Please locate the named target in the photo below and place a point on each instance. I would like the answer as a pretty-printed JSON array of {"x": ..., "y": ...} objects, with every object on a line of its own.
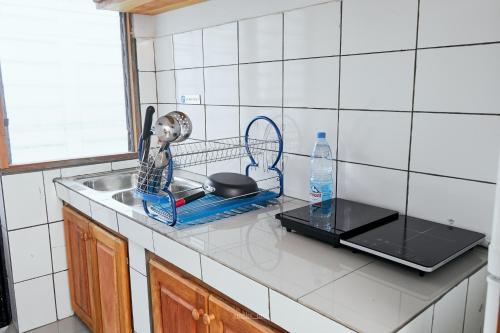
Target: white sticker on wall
[{"x": 191, "y": 99}]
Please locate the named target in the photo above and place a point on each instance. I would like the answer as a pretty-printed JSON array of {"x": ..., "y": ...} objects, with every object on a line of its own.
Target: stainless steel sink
[
  {"x": 180, "y": 188},
  {"x": 112, "y": 182}
]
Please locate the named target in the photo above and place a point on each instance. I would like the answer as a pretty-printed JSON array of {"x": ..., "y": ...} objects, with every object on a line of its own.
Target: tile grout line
[
  {"x": 407, "y": 201},
  {"x": 282, "y": 162},
  {"x": 50, "y": 246},
  {"x": 336, "y": 279},
  {"x": 204, "y": 89},
  {"x": 338, "y": 104},
  {"x": 328, "y": 56},
  {"x": 239, "y": 86}
]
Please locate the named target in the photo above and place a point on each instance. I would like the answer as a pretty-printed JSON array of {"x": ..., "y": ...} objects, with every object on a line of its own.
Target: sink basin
[
  {"x": 180, "y": 188},
  {"x": 114, "y": 182}
]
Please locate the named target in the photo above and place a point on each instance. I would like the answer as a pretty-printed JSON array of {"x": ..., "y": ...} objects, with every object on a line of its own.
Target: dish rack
[{"x": 261, "y": 146}]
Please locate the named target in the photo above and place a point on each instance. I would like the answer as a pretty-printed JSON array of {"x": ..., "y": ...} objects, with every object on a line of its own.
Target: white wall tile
[
  {"x": 452, "y": 22},
  {"x": 261, "y": 128},
  {"x": 58, "y": 246},
  {"x": 311, "y": 83},
  {"x": 177, "y": 254},
  {"x": 164, "y": 55},
  {"x": 143, "y": 26},
  {"x": 197, "y": 115},
  {"x": 220, "y": 45},
  {"x": 371, "y": 26},
  {"x": 378, "y": 138},
  {"x": 449, "y": 310},
  {"x": 166, "y": 86},
  {"x": 463, "y": 146},
  {"x": 261, "y": 38},
  {"x": 103, "y": 215},
  {"x": 35, "y": 303},
  {"x": 458, "y": 79},
  {"x": 63, "y": 301},
  {"x": 296, "y": 173},
  {"x": 24, "y": 199},
  {"x": 145, "y": 55},
  {"x": 136, "y": 232},
  {"x": 421, "y": 324},
  {"x": 260, "y": 84},
  {"x": 377, "y": 81},
  {"x": 189, "y": 82},
  {"x": 469, "y": 204},
  {"x": 137, "y": 258},
  {"x": 233, "y": 165},
  {"x": 54, "y": 205},
  {"x": 163, "y": 109},
  {"x": 147, "y": 87},
  {"x": 140, "y": 306},
  {"x": 301, "y": 126},
  {"x": 188, "y": 49},
  {"x": 476, "y": 302},
  {"x": 30, "y": 253},
  {"x": 85, "y": 169},
  {"x": 371, "y": 185},
  {"x": 221, "y": 84},
  {"x": 296, "y": 318},
  {"x": 222, "y": 122},
  {"x": 243, "y": 290},
  {"x": 80, "y": 202},
  {"x": 312, "y": 31}
]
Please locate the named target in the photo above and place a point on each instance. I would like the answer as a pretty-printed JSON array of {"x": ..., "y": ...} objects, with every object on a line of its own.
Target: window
[{"x": 63, "y": 80}]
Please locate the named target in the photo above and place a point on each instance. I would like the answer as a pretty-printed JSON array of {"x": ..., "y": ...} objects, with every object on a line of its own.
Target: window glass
[{"x": 63, "y": 80}]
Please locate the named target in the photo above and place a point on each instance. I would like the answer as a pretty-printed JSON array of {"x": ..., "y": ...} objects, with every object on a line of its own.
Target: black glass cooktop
[
  {"x": 414, "y": 242},
  {"x": 418, "y": 243},
  {"x": 330, "y": 220}
]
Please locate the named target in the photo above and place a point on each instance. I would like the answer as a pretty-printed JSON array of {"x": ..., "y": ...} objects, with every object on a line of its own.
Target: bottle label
[
  {"x": 315, "y": 194},
  {"x": 320, "y": 192}
]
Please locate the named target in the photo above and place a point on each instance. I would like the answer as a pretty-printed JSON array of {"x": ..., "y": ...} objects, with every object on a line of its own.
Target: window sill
[{"x": 18, "y": 168}]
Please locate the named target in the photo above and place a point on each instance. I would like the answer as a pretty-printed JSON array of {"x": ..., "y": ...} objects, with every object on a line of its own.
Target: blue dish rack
[{"x": 262, "y": 146}]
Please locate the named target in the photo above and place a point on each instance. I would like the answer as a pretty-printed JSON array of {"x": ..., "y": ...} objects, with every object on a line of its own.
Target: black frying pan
[{"x": 230, "y": 185}]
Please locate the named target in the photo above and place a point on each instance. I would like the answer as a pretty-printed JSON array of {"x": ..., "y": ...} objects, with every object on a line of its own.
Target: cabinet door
[
  {"x": 223, "y": 318},
  {"x": 78, "y": 252},
  {"x": 476, "y": 301},
  {"x": 111, "y": 278},
  {"x": 178, "y": 305},
  {"x": 449, "y": 311}
]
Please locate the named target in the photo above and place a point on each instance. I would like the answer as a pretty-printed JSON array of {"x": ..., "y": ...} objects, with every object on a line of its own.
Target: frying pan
[
  {"x": 224, "y": 184},
  {"x": 230, "y": 185}
]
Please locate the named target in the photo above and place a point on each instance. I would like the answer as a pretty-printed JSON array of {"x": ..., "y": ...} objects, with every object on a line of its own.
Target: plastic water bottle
[{"x": 321, "y": 183}]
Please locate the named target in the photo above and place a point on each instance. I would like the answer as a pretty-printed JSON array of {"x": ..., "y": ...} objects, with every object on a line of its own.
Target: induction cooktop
[
  {"x": 417, "y": 243},
  {"x": 335, "y": 218}
]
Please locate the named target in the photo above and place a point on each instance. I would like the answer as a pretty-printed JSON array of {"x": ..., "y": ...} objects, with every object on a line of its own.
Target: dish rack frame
[{"x": 159, "y": 201}]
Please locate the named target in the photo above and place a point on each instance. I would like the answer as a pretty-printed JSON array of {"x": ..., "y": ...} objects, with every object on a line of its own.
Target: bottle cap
[{"x": 321, "y": 135}]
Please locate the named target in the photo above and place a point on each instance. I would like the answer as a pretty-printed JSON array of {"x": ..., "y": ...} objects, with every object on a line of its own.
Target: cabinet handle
[
  {"x": 196, "y": 314},
  {"x": 207, "y": 318}
]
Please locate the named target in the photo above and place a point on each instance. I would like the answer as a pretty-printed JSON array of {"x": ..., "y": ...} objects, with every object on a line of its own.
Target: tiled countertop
[{"x": 251, "y": 259}]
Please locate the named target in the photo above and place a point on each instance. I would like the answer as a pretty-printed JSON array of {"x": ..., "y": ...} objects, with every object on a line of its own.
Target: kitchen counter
[{"x": 282, "y": 276}]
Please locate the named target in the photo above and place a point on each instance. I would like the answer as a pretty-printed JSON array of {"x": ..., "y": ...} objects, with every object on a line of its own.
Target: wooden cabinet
[
  {"x": 224, "y": 318},
  {"x": 98, "y": 275},
  {"x": 147, "y": 7},
  {"x": 78, "y": 253},
  {"x": 180, "y": 305},
  {"x": 111, "y": 278}
]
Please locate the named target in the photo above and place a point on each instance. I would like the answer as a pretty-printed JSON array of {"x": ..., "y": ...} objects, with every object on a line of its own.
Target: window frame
[{"x": 132, "y": 104}]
